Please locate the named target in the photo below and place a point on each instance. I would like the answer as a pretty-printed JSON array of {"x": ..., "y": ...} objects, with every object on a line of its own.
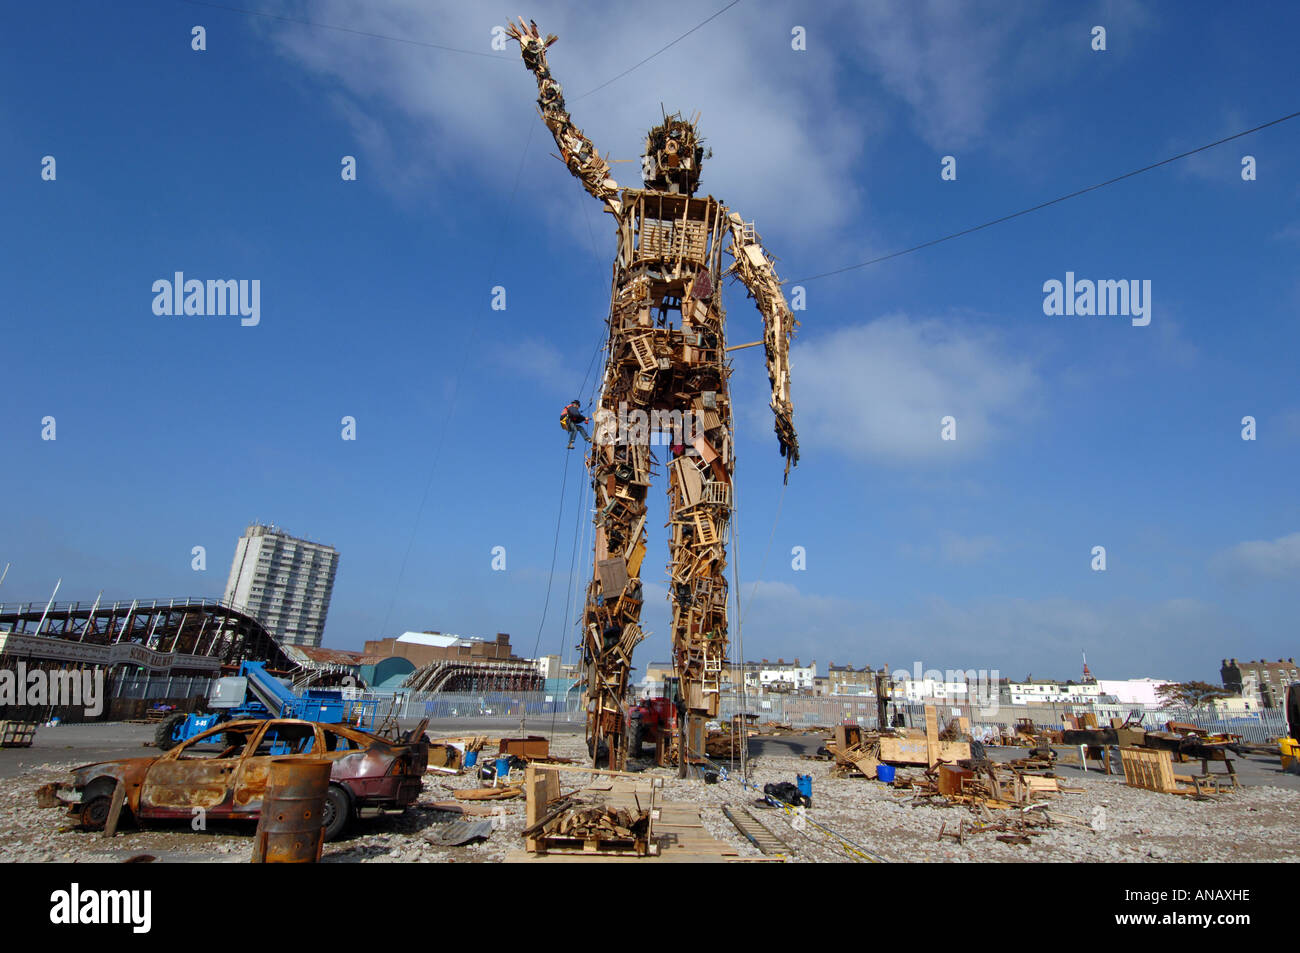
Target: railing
[
  {"x": 104, "y": 605},
  {"x": 161, "y": 687},
  {"x": 1258, "y": 727},
  {"x": 802, "y": 711},
  {"x": 442, "y": 706},
  {"x": 798, "y": 711}
]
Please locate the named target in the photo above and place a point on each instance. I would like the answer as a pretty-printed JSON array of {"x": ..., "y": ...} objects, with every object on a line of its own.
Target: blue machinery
[{"x": 256, "y": 693}]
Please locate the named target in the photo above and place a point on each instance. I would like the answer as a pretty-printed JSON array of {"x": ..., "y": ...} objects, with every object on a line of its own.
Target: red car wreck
[{"x": 223, "y": 772}]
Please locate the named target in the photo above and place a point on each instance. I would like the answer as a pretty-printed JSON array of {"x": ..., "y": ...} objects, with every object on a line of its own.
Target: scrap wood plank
[
  {"x": 455, "y": 807},
  {"x": 471, "y": 742},
  {"x": 606, "y": 773},
  {"x": 894, "y": 750},
  {"x": 541, "y": 787},
  {"x": 1057, "y": 817},
  {"x": 931, "y": 736},
  {"x": 1036, "y": 785},
  {"x": 663, "y": 857},
  {"x": 488, "y": 794}
]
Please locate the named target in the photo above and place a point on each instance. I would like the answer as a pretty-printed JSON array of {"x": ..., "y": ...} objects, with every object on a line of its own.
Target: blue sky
[{"x": 1072, "y": 432}]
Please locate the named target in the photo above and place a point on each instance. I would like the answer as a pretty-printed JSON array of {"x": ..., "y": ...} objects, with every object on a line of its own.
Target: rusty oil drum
[{"x": 289, "y": 830}]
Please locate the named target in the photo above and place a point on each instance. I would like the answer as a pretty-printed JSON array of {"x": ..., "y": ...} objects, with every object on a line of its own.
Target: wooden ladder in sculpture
[{"x": 712, "y": 669}]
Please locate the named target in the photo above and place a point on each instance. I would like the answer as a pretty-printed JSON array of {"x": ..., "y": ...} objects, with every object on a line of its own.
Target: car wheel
[
  {"x": 636, "y": 732},
  {"x": 336, "y": 813},
  {"x": 96, "y": 800},
  {"x": 168, "y": 735}
]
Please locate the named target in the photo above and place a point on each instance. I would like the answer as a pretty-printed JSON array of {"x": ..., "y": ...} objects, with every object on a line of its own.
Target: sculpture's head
[{"x": 673, "y": 156}]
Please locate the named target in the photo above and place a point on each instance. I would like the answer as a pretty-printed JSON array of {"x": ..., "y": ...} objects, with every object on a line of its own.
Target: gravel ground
[{"x": 1259, "y": 823}]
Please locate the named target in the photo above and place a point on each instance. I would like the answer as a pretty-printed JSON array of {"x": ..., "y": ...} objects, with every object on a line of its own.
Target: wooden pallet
[
  {"x": 599, "y": 847},
  {"x": 1153, "y": 770},
  {"x": 677, "y": 833}
]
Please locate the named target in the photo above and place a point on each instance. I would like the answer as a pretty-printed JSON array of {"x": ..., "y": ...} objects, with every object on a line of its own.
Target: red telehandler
[{"x": 653, "y": 721}]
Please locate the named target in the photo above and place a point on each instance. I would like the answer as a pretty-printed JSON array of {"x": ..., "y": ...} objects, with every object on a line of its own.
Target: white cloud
[
  {"x": 1269, "y": 559},
  {"x": 790, "y": 130},
  {"x": 956, "y": 63},
  {"x": 968, "y": 550},
  {"x": 768, "y": 114},
  {"x": 879, "y": 390},
  {"x": 539, "y": 361},
  {"x": 1222, "y": 165},
  {"x": 1288, "y": 233},
  {"x": 941, "y": 59},
  {"x": 953, "y": 548},
  {"x": 1173, "y": 345}
]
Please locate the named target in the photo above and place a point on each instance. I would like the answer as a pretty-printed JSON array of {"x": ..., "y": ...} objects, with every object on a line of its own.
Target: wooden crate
[
  {"x": 615, "y": 788},
  {"x": 533, "y": 746},
  {"x": 917, "y": 751}
]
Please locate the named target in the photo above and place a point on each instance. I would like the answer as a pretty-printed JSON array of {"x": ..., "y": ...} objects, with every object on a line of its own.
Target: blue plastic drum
[{"x": 804, "y": 783}]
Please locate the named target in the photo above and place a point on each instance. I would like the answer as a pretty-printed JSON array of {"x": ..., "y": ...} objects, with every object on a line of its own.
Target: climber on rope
[{"x": 572, "y": 420}]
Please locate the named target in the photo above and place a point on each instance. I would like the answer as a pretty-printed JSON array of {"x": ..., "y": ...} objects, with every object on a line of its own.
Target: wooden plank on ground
[
  {"x": 488, "y": 794},
  {"x": 455, "y": 807},
  {"x": 931, "y": 736}
]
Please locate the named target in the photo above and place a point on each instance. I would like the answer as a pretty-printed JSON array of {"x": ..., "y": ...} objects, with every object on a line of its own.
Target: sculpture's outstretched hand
[
  {"x": 577, "y": 152},
  {"x": 529, "y": 37}
]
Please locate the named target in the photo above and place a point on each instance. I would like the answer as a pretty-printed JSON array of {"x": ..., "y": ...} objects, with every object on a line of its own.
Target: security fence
[
  {"x": 160, "y": 687},
  {"x": 441, "y": 706},
  {"x": 797, "y": 711},
  {"x": 804, "y": 712},
  {"x": 1258, "y": 728}
]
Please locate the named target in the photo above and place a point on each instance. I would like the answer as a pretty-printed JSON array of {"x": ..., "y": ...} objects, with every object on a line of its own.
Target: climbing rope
[
  {"x": 550, "y": 578},
  {"x": 579, "y": 537}
]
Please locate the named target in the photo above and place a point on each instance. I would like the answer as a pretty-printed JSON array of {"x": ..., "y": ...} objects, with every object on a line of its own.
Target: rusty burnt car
[{"x": 224, "y": 770}]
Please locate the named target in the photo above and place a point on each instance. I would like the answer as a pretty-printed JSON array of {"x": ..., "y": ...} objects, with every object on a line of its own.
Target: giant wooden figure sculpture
[{"x": 668, "y": 360}]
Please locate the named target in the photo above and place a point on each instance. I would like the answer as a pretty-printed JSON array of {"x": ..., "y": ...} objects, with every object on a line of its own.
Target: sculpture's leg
[
  {"x": 699, "y": 493},
  {"x": 611, "y": 621}
]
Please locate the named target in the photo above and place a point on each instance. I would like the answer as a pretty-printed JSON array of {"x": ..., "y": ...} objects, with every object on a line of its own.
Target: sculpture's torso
[{"x": 667, "y": 360}]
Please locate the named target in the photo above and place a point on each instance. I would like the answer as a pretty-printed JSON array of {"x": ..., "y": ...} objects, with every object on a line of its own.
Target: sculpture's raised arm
[
  {"x": 577, "y": 151},
  {"x": 753, "y": 267}
]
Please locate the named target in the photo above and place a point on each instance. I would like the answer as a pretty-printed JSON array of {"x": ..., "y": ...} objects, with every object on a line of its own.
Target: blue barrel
[
  {"x": 885, "y": 772},
  {"x": 503, "y": 768},
  {"x": 471, "y": 758},
  {"x": 804, "y": 783}
]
